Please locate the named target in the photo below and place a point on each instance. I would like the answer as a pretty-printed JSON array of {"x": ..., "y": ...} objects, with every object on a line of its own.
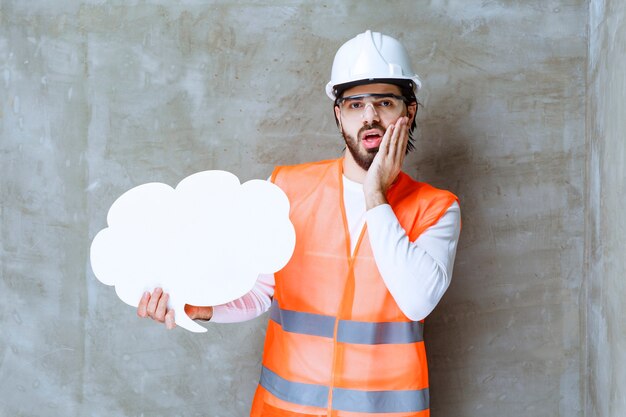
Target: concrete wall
[
  {"x": 606, "y": 225},
  {"x": 100, "y": 96}
]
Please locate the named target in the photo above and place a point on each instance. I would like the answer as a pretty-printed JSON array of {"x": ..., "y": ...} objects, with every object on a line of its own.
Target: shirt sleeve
[
  {"x": 417, "y": 274},
  {"x": 248, "y": 307}
]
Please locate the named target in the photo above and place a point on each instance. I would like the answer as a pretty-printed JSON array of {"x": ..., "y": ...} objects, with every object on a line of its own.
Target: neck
[{"x": 352, "y": 170}]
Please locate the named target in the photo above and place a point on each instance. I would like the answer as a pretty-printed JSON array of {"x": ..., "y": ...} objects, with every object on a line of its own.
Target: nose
[{"x": 370, "y": 114}]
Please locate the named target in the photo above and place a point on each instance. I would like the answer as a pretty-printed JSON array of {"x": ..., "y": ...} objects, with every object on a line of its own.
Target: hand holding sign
[{"x": 204, "y": 242}]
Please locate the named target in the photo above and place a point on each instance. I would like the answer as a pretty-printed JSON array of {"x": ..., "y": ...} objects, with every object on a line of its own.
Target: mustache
[{"x": 372, "y": 126}]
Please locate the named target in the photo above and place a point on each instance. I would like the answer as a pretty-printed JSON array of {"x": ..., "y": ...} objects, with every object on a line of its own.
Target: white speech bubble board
[{"x": 204, "y": 242}]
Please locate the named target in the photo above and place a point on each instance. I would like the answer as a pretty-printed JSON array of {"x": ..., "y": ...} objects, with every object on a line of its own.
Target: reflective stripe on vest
[
  {"x": 349, "y": 331},
  {"x": 345, "y": 399}
]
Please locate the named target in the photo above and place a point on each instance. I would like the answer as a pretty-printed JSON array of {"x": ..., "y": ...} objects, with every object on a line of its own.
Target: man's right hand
[{"x": 155, "y": 306}]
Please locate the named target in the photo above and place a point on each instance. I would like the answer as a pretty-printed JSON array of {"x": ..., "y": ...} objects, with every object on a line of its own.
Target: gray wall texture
[
  {"x": 99, "y": 96},
  {"x": 606, "y": 225}
]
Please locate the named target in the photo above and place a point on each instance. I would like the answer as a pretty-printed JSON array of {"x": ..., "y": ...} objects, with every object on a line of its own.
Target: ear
[
  {"x": 411, "y": 111},
  {"x": 338, "y": 117}
]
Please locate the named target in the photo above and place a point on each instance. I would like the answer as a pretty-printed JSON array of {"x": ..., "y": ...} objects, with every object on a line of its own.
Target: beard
[{"x": 362, "y": 156}]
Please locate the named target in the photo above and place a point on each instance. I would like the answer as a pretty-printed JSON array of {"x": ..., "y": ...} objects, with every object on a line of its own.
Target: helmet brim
[{"x": 335, "y": 91}]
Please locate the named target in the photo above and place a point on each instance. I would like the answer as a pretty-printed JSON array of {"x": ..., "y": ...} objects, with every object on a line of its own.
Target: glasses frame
[
  {"x": 341, "y": 100},
  {"x": 375, "y": 95}
]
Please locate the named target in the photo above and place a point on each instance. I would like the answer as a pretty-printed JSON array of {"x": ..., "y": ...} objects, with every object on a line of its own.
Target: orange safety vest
[{"x": 337, "y": 343}]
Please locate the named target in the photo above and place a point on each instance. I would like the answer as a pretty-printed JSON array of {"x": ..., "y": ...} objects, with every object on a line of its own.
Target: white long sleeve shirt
[{"x": 417, "y": 274}]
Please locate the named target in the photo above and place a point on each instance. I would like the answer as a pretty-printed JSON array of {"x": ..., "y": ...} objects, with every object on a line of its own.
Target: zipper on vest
[
  {"x": 347, "y": 299},
  {"x": 345, "y": 311}
]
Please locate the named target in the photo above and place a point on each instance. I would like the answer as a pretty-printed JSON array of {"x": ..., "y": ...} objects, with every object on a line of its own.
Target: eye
[
  {"x": 355, "y": 105},
  {"x": 385, "y": 103}
]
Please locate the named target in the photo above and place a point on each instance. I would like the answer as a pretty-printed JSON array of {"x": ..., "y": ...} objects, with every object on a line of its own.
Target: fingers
[
  {"x": 395, "y": 140},
  {"x": 402, "y": 129},
  {"x": 155, "y": 306},
  {"x": 170, "y": 323},
  {"x": 161, "y": 308},
  {"x": 154, "y": 301},
  {"x": 387, "y": 139},
  {"x": 142, "y": 308},
  {"x": 403, "y": 143}
]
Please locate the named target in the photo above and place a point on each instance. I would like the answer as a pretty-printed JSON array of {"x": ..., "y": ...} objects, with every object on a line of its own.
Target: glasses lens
[{"x": 383, "y": 104}]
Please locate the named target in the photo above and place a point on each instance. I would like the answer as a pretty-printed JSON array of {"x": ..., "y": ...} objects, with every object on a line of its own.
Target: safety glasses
[{"x": 383, "y": 104}]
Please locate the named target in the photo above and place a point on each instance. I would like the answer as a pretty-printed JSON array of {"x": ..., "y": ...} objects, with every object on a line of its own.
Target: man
[{"x": 374, "y": 255}]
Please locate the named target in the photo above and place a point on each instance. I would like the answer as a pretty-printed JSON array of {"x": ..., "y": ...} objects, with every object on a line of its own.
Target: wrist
[{"x": 374, "y": 199}]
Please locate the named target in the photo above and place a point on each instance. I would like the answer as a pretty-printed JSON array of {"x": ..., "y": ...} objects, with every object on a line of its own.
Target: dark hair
[{"x": 406, "y": 91}]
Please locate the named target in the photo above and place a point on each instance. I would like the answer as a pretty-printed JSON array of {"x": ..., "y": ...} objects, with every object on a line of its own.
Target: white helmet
[{"x": 368, "y": 57}]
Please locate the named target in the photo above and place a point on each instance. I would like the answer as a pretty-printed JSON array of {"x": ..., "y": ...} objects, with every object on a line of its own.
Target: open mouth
[{"x": 371, "y": 140}]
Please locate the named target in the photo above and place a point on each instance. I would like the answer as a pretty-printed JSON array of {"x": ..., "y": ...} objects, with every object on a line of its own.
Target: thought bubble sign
[{"x": 204, "y": 242}]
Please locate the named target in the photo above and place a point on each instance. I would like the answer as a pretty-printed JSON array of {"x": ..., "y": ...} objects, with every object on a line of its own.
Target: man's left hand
[{"x": 387, "y": 164}]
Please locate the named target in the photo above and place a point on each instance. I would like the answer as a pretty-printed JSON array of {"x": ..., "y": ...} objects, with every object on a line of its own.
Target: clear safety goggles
[{"x": 383, "y": 104}]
